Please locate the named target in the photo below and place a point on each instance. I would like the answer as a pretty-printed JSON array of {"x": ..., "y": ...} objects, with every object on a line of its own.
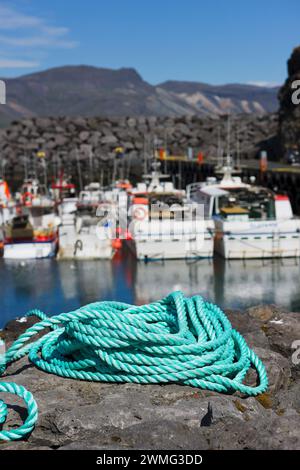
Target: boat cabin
[{"x": 243, "y": 203}]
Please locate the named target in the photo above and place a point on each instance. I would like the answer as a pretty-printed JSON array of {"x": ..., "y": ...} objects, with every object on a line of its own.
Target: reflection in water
[
  {"x": 234, "y": 284},
  {"x": 57, "y": 286}
]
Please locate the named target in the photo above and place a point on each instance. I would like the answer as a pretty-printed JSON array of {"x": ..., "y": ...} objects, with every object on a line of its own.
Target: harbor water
[{"x": 59, "y": 286}]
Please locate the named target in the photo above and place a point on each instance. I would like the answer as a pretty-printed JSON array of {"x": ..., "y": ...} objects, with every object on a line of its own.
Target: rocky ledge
[{"x": 84, "y": 415}]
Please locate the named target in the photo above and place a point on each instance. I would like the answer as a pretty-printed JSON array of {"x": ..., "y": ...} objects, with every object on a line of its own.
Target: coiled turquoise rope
[{"x": 178, "y": 339}]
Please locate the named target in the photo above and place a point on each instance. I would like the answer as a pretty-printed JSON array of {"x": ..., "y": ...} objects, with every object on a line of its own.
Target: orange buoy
[
  {"x": 200, "y": 158},
  {"x": 116, "y": 244}
]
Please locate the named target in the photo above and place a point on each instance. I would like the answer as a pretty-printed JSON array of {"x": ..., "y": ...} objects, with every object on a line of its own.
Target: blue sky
[{"x": 214, "y": 41}]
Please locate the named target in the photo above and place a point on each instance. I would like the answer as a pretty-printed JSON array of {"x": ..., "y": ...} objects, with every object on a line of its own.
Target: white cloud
[
  {"x": 15, "y": 64},
  {"x": 37, "y": 41},
  {"x": 261, "y": 83},
  {"x": 12, "y": 19},
  {"x": 20, "y": 31}
]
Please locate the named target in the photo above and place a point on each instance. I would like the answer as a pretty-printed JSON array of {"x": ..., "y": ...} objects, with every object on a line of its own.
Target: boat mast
[
  {"x": 219, "y": 150},
  {"x": 79, "y": 170},
  {"x": 3, "y": 165},
  {"x": 25, "y": 167},
  {"x": 144, "y": 155},
  {"x": 91, "y": 163},
  {"x": 238, "y": 156},
  {"x": 228, "y": 156}
]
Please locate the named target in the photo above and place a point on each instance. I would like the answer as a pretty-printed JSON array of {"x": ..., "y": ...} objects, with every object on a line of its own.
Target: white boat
[
  {"x": 88, "y": 242},
  {"x": 250, "y": 221},
  {"x": 67, "y": 209},
  {"x": 32, "y": 232},
  {"x": 30, "y": 250},
  {"x": 64, "y": 194},
  {"x": 22, "y": 241},
  {"x": 165, "y": 224},
  {"x": 34, "y": 194},
  {"x": 7, "y": 204},
  {"x": 81, "y": 235}
]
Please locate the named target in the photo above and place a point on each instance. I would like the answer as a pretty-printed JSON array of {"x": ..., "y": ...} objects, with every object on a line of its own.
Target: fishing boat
[
  {"x": 82, "y": 235},
  {"x": 23, "y": 241},
  {"x": 32, "y": 232},
  {"x": 62, "y": 188},
  {"x": 64, "y": 194},
  {"x": 164, "y": 224},
  {"x": 250, "y": 221},
  {"x": 7, "y": 204}
]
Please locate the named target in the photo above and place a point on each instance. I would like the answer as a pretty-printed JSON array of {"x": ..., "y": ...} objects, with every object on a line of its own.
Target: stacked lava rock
[
  {"x": 67, "y": 140},
  {"x": 289, "y": 113}
]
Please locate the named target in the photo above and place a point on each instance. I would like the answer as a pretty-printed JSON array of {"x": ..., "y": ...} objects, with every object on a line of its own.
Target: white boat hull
[
  {"x": 195, "y": 243},
  {"x": 84, "y": 245},
  {"x": 258, "y": 239},
  {"x": 30, "y": 250}
]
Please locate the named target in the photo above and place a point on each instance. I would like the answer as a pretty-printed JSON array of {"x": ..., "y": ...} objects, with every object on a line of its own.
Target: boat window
[{"x": 206, "y": 201}]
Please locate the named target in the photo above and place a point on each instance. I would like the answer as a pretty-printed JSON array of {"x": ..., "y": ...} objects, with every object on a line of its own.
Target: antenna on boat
[
  {"x": 91, "y": 162},
  {"x": 145, "y": 161},
  {"x": 25, "y": 159},
  {"x": 179, "y": 174},
  {"x": 79, "y": 170},
  {"x": 44, "y": 165},
  {"x": 34, "y": 165},
  {"x": 127, "y": 175},
  {"x": 166, "y": 149},
  {"x": 102, "y": 177},
  {"x": 114, "y": 173},
  {"x": 238, "y": 156},
  {"x": 228, "y": 139},
  {"x": 219, "y": 150},
  {"x": 3, "y": 165}
]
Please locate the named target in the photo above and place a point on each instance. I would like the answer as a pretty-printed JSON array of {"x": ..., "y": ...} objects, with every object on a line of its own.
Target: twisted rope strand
[{"x": 177, "y": 339}]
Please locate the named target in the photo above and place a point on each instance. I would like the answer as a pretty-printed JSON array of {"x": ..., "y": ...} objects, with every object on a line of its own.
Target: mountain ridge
[{"x": 88, "y": 91}]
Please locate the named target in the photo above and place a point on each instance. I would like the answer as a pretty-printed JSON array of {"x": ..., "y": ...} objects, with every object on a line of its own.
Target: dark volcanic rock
[
  {"x": 282, "y": 332},
  {"x": 289, "y": 113},
  {"x": 14, "y": 328},
  {"x": 85, "y": 415},
  {"x": 67, "y": 140}
]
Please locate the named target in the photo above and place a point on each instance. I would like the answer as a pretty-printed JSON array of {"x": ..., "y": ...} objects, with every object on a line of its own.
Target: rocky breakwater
[
  {"x": 84, "y": 415},
  {"x": 289, "y": 112},
  {"x": 67, "y": 140}
]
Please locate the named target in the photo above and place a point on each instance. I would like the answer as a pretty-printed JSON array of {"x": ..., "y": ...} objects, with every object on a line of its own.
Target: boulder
[
  {"x": 91, "y": 415},
  {"x": 263, "y": 312},
  {"x": 65, "y": 135},
  {"x": 109, "y": 140},
  {"x": 282, "y": 332}
]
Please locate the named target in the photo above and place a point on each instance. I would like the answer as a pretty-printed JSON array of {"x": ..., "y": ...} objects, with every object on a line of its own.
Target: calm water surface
[{"x": 60, "y": 286}]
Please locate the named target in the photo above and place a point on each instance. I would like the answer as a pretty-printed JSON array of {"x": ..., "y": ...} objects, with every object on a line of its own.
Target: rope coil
[{"x": 177, "y": 339}]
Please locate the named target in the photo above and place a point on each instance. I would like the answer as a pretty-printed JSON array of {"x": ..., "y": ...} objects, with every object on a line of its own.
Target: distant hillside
[
  {"x": 89, "y": 91},
  {"x": 218, "y": 99}
]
